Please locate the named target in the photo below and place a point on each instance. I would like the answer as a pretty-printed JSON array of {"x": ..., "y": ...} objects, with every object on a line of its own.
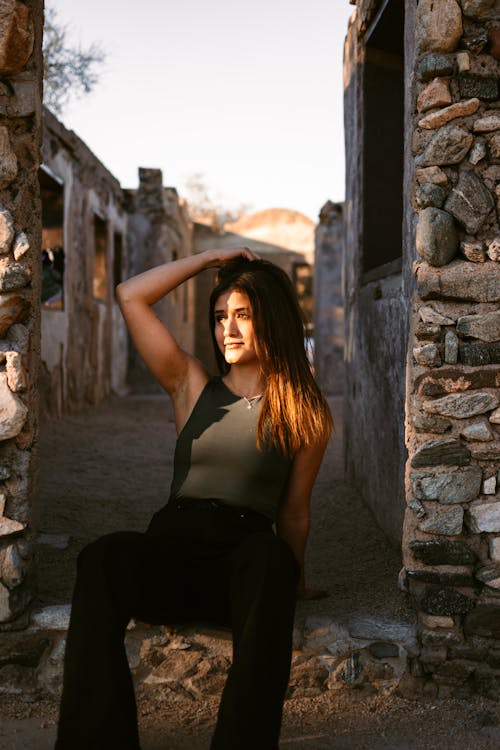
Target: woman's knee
[{"x": 106, "y": 549}]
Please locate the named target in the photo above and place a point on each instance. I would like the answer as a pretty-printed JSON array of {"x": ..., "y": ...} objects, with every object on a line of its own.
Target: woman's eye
[
  {"x": 219, "y": 318},
  {"x": 243, "y": 315}
]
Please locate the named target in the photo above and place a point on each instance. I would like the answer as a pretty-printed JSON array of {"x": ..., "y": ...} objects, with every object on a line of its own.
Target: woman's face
[{"x": 234, "y": 330}]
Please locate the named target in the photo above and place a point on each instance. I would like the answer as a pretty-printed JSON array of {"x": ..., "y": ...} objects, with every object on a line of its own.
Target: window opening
[
  {"x": 383, "y": 143},
  {"x": 53, "y": 262},
  {"x": 117, "y": 258},
  {"x": 100, "y": 287},
  {"x": 303, "y": 282}
]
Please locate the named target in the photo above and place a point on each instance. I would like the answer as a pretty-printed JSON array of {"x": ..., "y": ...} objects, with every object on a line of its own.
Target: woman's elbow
[{"x": 122, "y": 292}]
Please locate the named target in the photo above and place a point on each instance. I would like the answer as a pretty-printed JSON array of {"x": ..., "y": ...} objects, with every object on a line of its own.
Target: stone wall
[
  {"x": 84, "y": 340},
  {"x": 159, "y": 231},
  {"x": 328, "y": 300},
  {"x": 20, "y": 229},
  {"x": 451, "y": 540}
]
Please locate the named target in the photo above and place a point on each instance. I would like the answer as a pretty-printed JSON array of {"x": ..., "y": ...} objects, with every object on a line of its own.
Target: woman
[{"x": 250, "y": 443}]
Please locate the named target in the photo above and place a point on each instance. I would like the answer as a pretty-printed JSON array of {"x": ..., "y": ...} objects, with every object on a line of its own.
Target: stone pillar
[
  {"x": 451, "y": 539},
  {"x": 159, "y": 231},
  {"x": 21, "y": 26},
  {"x": 328, "y": 302}
]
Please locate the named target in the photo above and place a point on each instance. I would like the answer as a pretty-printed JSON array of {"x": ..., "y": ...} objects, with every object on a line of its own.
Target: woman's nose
[{"x": 230, "y": 326}]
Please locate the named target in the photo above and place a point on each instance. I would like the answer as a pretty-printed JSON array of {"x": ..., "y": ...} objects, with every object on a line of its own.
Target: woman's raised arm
[{"x": 171, "y": 366}]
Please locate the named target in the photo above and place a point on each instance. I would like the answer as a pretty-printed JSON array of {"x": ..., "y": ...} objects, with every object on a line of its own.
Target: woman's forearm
[
  {"x": 152, "y": 285},
  {"x": 295, "y": 533}
]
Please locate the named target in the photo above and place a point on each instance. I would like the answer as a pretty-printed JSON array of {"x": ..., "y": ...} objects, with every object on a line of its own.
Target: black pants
[{"x": 197, "y": 561}]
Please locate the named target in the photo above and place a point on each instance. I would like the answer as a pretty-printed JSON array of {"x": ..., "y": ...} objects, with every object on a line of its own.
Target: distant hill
[{"x": 279, "y": 227}]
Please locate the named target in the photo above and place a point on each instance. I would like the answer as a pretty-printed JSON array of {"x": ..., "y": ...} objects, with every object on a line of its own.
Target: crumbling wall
[
  {"x": 159, "y": 231},
  {"x": 328, "y": 299},
  {"x": 84, "y": 343},
  {"x": 451, "y": 540},
  {"x": 20, "y": 229}
]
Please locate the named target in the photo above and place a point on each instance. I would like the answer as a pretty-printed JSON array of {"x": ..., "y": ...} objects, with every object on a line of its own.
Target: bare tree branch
[{"x": 69, "y": 71}]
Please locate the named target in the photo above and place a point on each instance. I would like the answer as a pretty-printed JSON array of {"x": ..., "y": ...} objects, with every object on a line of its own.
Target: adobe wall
[
  {"x": 20, "y": 233},
  {"x": 84, "y": 346}
]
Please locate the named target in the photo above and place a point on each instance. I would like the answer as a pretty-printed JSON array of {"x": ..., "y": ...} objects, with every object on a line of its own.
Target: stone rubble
[{"x": 366, "y": 652}]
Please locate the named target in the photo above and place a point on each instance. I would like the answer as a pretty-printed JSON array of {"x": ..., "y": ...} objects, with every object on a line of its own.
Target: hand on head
[{"x": 224, "y": 255}]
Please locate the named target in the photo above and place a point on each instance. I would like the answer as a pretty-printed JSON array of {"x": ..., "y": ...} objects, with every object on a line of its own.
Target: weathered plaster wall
[
  {"x": 84, "y": 345},
  {"x": 328, "y": 299},
  {"x": 376, "y": 324},
  {"x": 20, "y": 230}
]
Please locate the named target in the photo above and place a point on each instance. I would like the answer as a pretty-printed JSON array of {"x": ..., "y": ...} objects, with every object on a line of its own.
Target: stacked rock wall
[
  {"x": 451, "y": 539},
  {"x": 20, "y": 230}
]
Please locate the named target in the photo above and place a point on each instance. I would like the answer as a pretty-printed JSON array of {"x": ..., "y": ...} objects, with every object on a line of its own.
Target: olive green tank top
[{"x": 216, "y": 455}]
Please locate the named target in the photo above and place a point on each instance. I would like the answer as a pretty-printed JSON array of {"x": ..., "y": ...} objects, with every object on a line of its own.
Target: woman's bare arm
[
  {"x": 178, "y": 372},
  {"x": 294, "y": 512}
]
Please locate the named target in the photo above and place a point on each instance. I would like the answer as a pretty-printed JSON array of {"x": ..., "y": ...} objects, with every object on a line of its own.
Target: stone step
[{"x": 192, "y": 661}]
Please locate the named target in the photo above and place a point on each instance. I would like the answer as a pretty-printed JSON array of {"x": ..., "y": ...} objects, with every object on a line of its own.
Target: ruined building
[{"x": 422, "y": 293}]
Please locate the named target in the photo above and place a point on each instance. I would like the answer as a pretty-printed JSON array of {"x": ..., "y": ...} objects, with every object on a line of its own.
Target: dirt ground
[{"x": 109, "y": 469}]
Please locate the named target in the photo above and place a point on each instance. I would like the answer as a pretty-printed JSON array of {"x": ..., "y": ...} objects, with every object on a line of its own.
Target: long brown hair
[{"x": 294, "y": 411}]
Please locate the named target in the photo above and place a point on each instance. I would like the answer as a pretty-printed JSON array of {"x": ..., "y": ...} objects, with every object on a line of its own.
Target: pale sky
[{"x": 247, "y": 92}]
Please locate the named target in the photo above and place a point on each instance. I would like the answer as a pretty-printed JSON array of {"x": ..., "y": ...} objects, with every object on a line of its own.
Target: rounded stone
[
  {"x": 13, "y": 275},
  {"x": 6, "y": 230},
  {"x": 476, "y": 8},
  {"x": 13, "y": 411},
  {"x": 427, "y": 355},
  {"x": 437, "y": 237},
  {"x": 439, "y": 25},
  {"x": 429, "y": 194},
  {"x": 449, "y": 145},
  {"x": 13, "y": 308},
  {"x": 493, "y": 250},
  {"x": 435, "y": 94},
  {"x": 17, "y": 36}
]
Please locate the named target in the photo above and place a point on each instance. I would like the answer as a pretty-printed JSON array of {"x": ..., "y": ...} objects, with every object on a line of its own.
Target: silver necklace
[{"x": 252, "y": 400}]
